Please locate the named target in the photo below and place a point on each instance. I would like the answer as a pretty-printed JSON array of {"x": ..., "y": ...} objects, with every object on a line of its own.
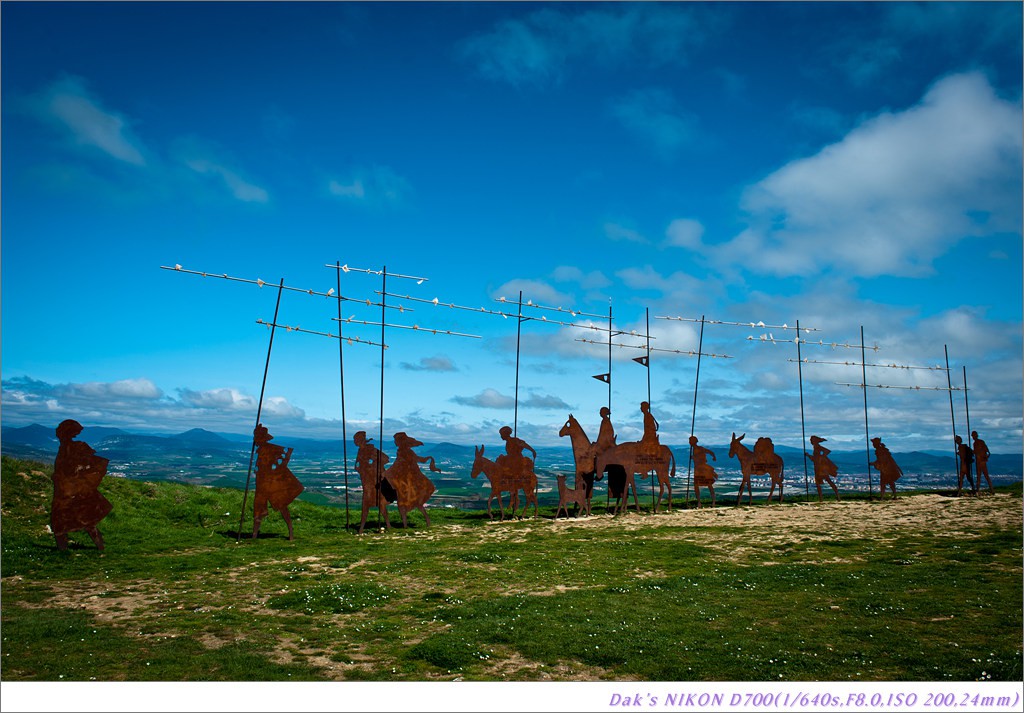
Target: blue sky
[{"x": 847, "y": 165}]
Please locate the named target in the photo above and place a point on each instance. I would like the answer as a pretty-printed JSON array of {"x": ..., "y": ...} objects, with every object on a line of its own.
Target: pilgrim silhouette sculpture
[
  {"x": 824, "y": 469},
  {"x": 276, "y": 486},
  {"x": 981, "y": 455},
  {"x": 889, "y": 472},
  {"x": 704, "y": 475},
  {"x": 77, "y": 503}
]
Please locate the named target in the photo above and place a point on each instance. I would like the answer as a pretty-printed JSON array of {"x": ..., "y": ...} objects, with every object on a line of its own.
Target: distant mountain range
[{"x": 40, "y": 442}]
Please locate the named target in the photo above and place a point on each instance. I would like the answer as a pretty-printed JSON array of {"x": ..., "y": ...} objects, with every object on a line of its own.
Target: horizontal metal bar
[
  {"x": 288, "y": 328},
  {"x": 655, "y": 349},
  {"x": 750, "y": 325},
  {"x": 414, "y": 327},
  {"x": 910, "y": 388},
  {"x": 346, "y": 268},
  {"x": 879, "y": 366}
]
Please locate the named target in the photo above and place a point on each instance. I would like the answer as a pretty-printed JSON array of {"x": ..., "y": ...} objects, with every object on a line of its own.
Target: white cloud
[
  {"x": 240, "y": 188},
  {"x": 488, "y": 398},
  {"x": 434, "y": 363},
  {"x": 69, "y": 105},
  {"x": 895, "y": 193},
  {"x": 614, "y": 231},
  {"x": 533, "y": 291},
  {"x": 376, "y": 185},
  {"x": 655, "y": 118},
  {"x": 541, "y": 47},
  {"x": 593, "y": 280},
  {"x": 684, "y": 233},
  {"x": 221, "y": 399}
]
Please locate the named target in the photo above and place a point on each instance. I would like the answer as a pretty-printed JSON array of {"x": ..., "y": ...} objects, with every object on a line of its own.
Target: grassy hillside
[{"x": 924, "y": 588}]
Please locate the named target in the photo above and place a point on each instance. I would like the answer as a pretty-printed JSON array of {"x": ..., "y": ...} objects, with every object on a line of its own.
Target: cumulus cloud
[
  {"x": 140, "y": 404},
  {"x": 376, "y": 185},
  {"x": 533, "y": 291},
  {"x": 434, "y": 363},
  {"x": 541, "y": 48},
  {"x": 894, "y": 193},
  {"x": 69, "y": 106},
  {"x": 488, "y": 398},
  {"x": 655, "y": 118}
]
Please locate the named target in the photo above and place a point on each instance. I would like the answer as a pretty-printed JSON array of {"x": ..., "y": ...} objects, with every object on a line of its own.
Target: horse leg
[{"x": 382, "y": 508}]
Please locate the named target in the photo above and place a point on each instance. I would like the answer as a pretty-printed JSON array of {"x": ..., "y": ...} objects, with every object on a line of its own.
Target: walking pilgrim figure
[
  {"x": 966, "y": 457},
  {"x": 981, "y": 454},
  {"x": 889, "y": 472},
  {"x": 518, "y": 469},
  {"x": 77, "y": 502},
  {"x": 412, "y": 487},
  {"x": 276, "y": 485},
  {"x": 377, "y": 491},
  {"x": 704, "y": 474},
  {"x": 649, "y": 443},
  {"x": 824, "y": 469}
]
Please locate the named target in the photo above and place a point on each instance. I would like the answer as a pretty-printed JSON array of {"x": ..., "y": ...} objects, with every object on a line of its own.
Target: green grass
[{"x": 176, "y": 597}]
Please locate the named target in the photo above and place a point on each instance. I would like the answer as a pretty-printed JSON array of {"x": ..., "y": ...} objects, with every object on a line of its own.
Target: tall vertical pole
[
  {"x": 380, "y": 431},
  {"x": 609, "y": 355},
  {"x": 519, "y": 328},
  {"x": 259, "y": 410},
  {"x": 864, "y": 388},
  {"x": 647, "y": 313},
  {"x": 803, "y": 429},
  {"x": 693, "y": 417},
  {"x": 608, "y": 492},
  {"x": 341, "y": 369},
  {"x": 952, "y": 416},
  {"x": 976, "y": 482}
]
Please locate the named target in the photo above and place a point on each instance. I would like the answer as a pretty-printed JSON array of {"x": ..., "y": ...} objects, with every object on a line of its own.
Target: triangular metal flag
[
  {"x": 643, "y": 361},
  {"x": 606, "y": 378}
]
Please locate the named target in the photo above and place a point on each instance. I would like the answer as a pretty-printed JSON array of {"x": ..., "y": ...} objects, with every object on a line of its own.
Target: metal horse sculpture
[
  {"x": 498, "y": 479},
  {"x": 584, "y": 453},
  {"x": 633, "y": 459},
  {"x": 751, "y": 462},
  {"x": 503, "y": 481}
]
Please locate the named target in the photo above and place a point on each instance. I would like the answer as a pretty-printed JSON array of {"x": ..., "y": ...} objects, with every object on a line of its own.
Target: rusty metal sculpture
[
  {"x": 499, "y": 479},
  {"x": 642, "y": 457},
  {"x": 965, "y": 458},
  {"x": 704, "y": 474},
  {"x": 885, "y": 464},
  {"x": 77, "y": 502},
  {"x": 824, "y": 469},
  {"x": 577, "y": 496},
  {"x": 763, "y": 459},
  {"x": 370, "y": 462},
  {"x": 412, "y": 487},
  {"x": 981, "y": 456},
  {"x": 584, "y": 452},
  {"x": 519, "y": 469},
  {"x": 276, "y": 485}
]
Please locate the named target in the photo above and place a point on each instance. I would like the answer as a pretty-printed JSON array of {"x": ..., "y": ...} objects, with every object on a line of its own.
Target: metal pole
[
  {"x": 975, "y": 484},
  {"x": 259, "y": 411},
  {"x": 693, "y": 417},
  {"x": 608, "y": 492},
  {"x": 864, "y": 388},
  {"x": 609, "y": 355},
  {"x": 647, "y": 312},
  {"x": 519, "y": 328},
  {"x": 803, "y": 430},
  {"x": 952, "y": 417},
  {"x": 380, "y": 431},
  {"x": 341, "y": 369}
]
